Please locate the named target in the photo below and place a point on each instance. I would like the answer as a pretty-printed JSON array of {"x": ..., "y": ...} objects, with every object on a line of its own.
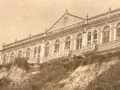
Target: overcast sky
[{"x": 19, "y": 18}]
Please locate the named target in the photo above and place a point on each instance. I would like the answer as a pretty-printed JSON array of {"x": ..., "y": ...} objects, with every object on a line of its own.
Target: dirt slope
[{"x": 96, "y": 72}]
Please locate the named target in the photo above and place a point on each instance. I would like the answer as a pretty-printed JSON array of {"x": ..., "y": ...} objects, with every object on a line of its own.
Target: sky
[{"x": 19, "y": 18}]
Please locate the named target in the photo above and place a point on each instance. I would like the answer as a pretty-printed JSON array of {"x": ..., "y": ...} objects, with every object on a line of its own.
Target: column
[
  {"x": 111, "y": 32},
  {"x": 72, "y": 44},
  {"x": 42, "y": 51},
  {"x": 84, "y": 42},
  {"x": 101, "y": 36},
  {"x": 8, "y": 57},
  {"x": 92, "y": 37},
  {"x": 115, "y": 32},
  {"x": 24, "y": 52}
]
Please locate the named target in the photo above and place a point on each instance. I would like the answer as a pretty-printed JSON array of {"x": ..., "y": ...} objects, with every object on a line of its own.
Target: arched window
[
  {"x": 68, "y": 43},
  {"x": 89, "y": 38},
  {"x": 28, "y": 53},
  {"x": 95, "y": 36},
  {"x": 57, "y": 46},
  {"x": 12, "y": 56},
  {"x": 35, "y": 51},
  {"x": 4, "y": 58},
  {"x": 79, "y": 41},
  {"x": 47, "y": 49},
  {"x": 118, "y": 31},
  {"x": 39, "y": 51},
  {"x": 20, "y": 53},
  {"x": 106, "y": 34}
]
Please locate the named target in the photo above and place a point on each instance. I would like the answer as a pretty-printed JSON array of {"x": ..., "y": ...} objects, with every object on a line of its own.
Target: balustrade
[
  {"x": 56, "y": 55},
  {"x": 104, "y": 15},
  {"x": 86, "y": 48},
  {"x": 34, "y": 60}
]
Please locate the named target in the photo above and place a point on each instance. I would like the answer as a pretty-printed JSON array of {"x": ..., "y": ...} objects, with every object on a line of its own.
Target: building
[{"x": 69, "y": 34}]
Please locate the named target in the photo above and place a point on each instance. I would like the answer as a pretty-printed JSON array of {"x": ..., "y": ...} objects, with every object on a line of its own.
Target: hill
[{"x": 95, "y": 72}]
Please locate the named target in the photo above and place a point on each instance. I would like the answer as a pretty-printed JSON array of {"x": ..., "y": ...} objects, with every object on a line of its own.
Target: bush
[
  {"x": 7, "y": 66},
  {"x": 47, "y": 78},
  {"x": 22, "y": 63},
  {"x": 91, "y": 59},
  {"x": 4, "y": 82}
]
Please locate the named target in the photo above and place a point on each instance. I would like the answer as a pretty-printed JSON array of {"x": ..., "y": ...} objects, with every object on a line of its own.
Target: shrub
[
  {"x": 117, "y": 54},
  {"x": 77, "y": 63},
  {"x": 22, "y": 63},
  {"x": 44, "y": 65},
  {"x": 47, "y": 77},
  {"x": 4, "y": 82},
  {"x": 1, "y": 66},
  {"x": 7, "y": 66},
  {"x": 91, "y": 59}
]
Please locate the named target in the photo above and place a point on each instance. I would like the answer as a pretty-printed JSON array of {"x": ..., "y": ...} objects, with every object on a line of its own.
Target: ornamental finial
[
  {"x": 46, "y": 30},
  {"x": 3, "y": 43},
  {"x": 16, "y": 40},
  {"x": 30, "y": 35},
  {"x": 66, "y": 11},
  {"x": 87, "y": 16},
  {"x": 110, "y": 9}
]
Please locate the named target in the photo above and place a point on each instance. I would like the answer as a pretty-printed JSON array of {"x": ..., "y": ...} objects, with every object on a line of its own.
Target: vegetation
[
  {"x": 7, "y": 66},
  {"x": 21, "y": 63},
  {"x": 50, "y": 73}
]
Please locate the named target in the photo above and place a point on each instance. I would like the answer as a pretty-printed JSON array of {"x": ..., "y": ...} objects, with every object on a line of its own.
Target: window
[
  {"x": 12, "y": 57},
  {"x": 4, "y": 58},
  {"x": 20, "y": 53},
  {"x": 35, "y": 51},
  {"x": 67, "y": 43},
  {"x": 39, "y": 51},
  {"x": 89, "y": 38},
  {"x": 106, "y": 34},
  {"x": 79, "y": 41},
  {"x": 95, "y": 36},
  {"x": 47, "y": 49},
  {"x": 57, "y": 46},
  {"x": 118, "y": 31},
  {"x": 28, "y": 53}
]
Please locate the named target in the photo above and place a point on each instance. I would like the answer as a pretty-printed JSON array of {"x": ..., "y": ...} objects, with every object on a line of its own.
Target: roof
[{"x": 66, "y": 20}]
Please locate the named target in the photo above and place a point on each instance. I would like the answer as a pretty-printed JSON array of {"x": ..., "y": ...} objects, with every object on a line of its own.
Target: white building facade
[{"x": 69, "y": 34}]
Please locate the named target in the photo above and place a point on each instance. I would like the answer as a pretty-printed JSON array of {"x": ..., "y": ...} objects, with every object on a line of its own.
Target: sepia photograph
[{"x": 59, "y": 44}]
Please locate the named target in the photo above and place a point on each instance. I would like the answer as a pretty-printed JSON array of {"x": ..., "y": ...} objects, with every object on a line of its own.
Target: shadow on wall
[{"x": 109, "y": 80}]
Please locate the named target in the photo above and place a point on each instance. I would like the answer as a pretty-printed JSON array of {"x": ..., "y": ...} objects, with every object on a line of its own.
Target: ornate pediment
[{"x": 66, "y": 20}]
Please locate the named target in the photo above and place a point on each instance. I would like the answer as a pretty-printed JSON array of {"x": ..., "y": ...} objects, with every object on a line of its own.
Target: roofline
[
  {"x": 56, "y": 22},
  {"x": 24, "y": 39},
  {"x": 105, "y": 13},
  {"x": 76, "y": 16},
  {"x": 63, "y": 16}
]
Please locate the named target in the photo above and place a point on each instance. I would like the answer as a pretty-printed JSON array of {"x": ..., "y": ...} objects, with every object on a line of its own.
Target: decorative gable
[{"x": 66, "y": 20}]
